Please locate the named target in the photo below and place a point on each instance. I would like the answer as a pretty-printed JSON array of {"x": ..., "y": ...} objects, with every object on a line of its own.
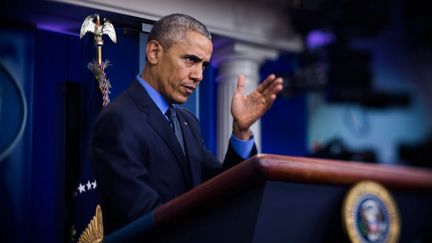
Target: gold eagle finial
[
  {"x": 93, "y": 24},
  {"x": 94, "y": 231}
]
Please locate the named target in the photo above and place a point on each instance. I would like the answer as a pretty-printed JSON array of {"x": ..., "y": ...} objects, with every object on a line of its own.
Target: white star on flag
[
  {"x": 81, "y": 188},
  {"x": 88, "y": 185},
  {"x": 94, "y": 184}
]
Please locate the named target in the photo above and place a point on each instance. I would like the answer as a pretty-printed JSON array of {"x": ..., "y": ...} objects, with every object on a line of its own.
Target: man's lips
[{"x": 189, "y": 88}]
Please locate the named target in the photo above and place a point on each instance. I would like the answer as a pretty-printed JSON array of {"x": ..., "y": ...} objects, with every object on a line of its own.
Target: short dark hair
[{"x": 173, "y": 27}]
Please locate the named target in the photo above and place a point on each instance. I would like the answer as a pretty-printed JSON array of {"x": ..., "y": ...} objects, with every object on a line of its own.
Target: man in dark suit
[{"x": 147, "y": 150}]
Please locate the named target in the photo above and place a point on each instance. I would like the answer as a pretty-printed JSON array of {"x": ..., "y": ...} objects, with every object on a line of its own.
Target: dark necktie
[{"x": 175, "y": 125}]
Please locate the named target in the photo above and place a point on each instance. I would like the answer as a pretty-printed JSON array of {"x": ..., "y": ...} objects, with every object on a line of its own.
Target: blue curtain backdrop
[
  {"x": 46, "y": 183},
  {"x": 58, "y": 58},
  {"x": 16, "y": 58}
]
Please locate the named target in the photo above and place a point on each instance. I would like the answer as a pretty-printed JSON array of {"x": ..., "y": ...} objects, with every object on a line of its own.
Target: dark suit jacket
[{"x": 138, "y": 162}]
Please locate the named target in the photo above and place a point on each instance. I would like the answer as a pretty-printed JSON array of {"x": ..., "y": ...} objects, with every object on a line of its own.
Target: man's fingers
[
  {"x": 240, "y": 84},
  {"x": 267, "y": 82},
  {"x": 274, "y": 88}
]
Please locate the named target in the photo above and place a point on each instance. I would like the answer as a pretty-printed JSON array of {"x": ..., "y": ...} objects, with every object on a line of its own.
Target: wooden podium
[{"x": 271, "y": 198}]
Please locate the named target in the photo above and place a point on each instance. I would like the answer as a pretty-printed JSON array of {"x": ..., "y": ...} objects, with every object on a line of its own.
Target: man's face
[{"x": 181, "y": 67}]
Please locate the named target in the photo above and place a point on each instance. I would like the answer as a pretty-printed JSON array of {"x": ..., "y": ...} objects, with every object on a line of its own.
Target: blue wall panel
[{"x": 284, "y": 126}]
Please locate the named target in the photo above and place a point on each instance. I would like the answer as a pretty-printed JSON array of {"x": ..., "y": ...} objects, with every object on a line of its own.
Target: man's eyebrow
[
  {"x": 194, "y": 58},
  {"x": 197, "y": 59}
]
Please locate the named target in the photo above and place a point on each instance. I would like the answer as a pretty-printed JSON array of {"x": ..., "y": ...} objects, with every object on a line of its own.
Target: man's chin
[{"x": 181, "y": 100}]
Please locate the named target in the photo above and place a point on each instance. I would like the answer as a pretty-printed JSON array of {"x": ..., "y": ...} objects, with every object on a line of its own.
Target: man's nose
[{"x": 197, "y": 73}]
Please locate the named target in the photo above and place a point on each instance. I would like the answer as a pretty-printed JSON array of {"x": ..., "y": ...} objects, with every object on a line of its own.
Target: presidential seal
[{"x": 369, "y": 214}]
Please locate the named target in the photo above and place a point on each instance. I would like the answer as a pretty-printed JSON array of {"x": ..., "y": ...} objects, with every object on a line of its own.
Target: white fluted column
[{"x": 232, "y": 60}]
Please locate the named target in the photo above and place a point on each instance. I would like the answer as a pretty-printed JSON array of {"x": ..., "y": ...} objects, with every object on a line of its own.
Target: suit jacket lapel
[{"x": 160, "y": 124}]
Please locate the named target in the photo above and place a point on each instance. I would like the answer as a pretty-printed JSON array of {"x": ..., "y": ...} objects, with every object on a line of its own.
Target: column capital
[{"x": 235, "y": 50}]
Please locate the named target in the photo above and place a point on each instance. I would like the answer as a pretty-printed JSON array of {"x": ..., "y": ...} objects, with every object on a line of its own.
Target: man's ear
[{"x": 153, "y": 52}]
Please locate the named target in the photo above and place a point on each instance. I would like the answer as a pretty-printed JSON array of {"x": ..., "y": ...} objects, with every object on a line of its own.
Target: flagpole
[
  {"x": 90, "y": 230},
  {"x": 92, "y": 23}
]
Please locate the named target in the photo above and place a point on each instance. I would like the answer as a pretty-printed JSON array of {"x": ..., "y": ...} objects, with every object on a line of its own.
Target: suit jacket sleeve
[{"x": 212, "y": 165}]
